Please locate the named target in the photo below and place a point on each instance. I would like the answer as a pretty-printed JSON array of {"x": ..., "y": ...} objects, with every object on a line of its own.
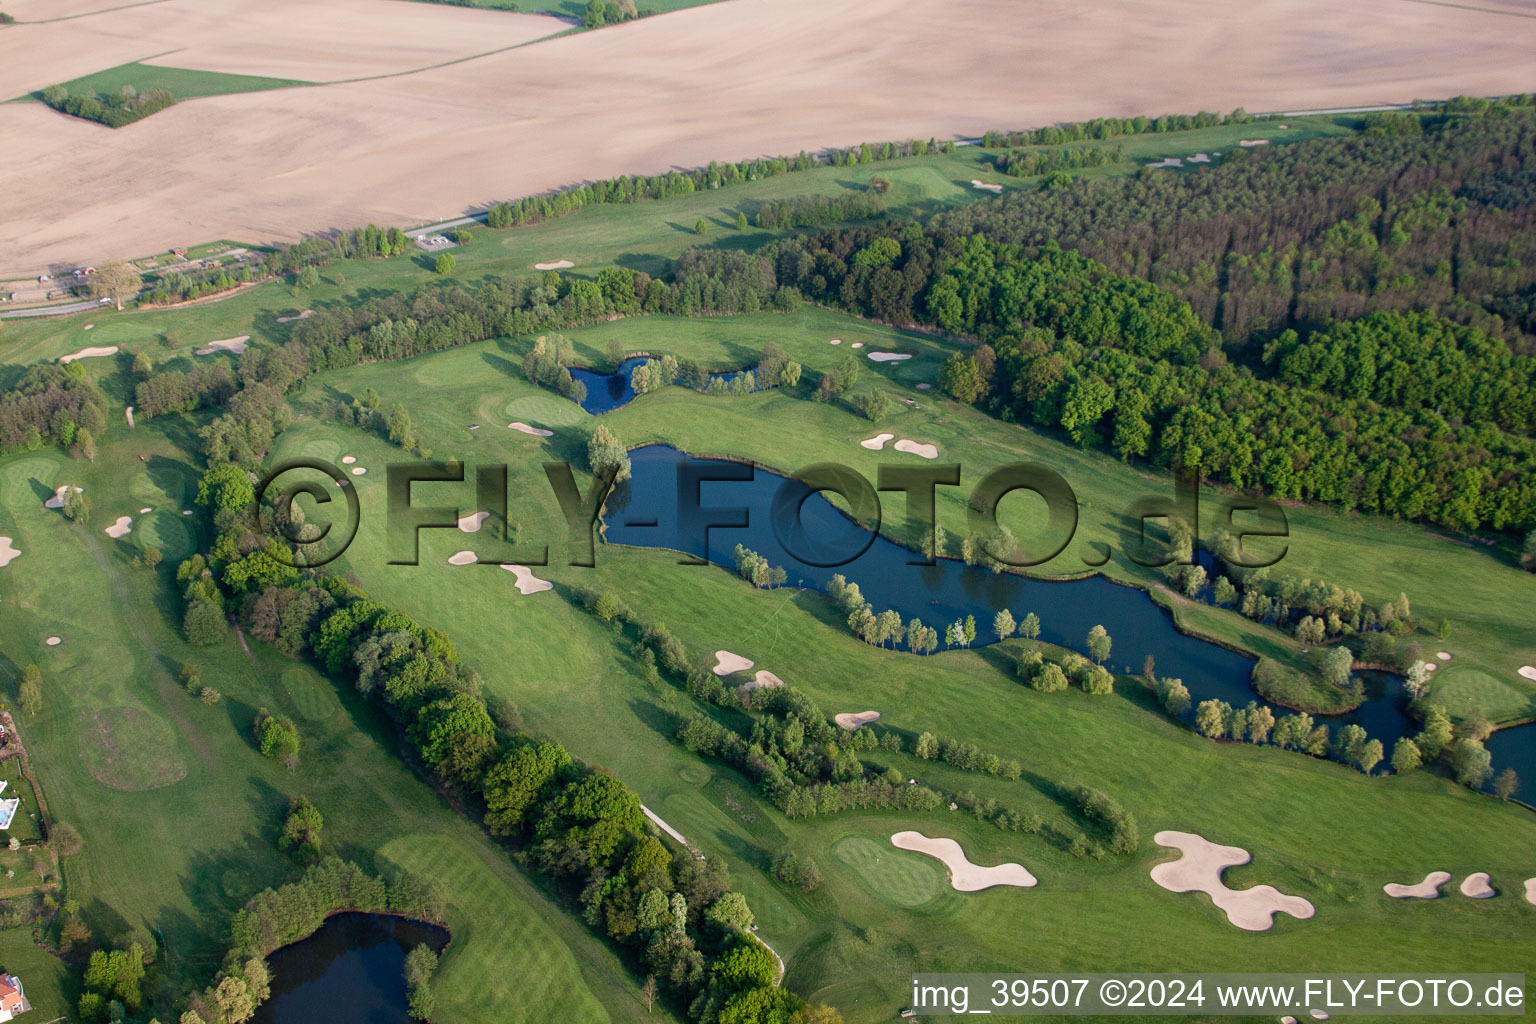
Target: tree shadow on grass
[{"x": 500, "y": 364}]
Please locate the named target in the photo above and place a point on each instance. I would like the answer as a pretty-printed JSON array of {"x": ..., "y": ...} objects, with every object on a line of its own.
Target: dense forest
[{"x": 1418, "y": 212}]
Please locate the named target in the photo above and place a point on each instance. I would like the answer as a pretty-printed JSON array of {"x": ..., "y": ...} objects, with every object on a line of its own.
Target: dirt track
[{"x": 726, "y": 81}]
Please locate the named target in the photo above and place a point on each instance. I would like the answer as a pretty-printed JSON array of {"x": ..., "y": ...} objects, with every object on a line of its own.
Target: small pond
[{"x": 351, "y": 971}]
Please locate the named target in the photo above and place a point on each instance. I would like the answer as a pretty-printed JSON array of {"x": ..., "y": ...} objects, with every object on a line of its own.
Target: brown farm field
[{"x": 446, "y": 131}]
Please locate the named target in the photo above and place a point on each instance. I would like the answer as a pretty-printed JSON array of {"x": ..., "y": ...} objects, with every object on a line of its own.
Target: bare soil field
[
  {"x": 312, "y": 42},
  {"x": 724, "y": 81}
]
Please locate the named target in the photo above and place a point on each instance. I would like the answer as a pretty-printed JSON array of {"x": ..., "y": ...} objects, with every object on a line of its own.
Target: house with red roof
[{"x": 13, "y": 1001}]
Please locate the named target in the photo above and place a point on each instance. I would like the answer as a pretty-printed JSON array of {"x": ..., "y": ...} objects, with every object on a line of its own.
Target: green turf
[
  {"x": 44, "y": 976},
  {"x": 1315, "y": 828},
  {"x": 183, "y": 83},
  {"x": 124, "y": 754},
  {"x": 898, "y": 877},
  {"x": 24, "y": 825}
]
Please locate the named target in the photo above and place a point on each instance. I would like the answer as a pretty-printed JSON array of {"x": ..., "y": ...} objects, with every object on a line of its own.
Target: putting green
[
  {"x": 131, "y": 749},
  {"x": 542, "y": 411},
  {"x": 20, "y": 482},
  {"x": 322, "y": 448},
  {"x": 887, "y": 874},
  {"x": 312, "y": 697},
  {"x": 1461, "y": 687},
  {"x": 167, "y": 531}
]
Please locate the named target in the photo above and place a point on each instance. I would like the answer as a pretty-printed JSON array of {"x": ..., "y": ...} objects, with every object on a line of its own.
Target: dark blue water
[
  {"x": 351, "y": 971},
  {"x": 937, "y": 594},
  {"x": 607, "y": 391},
  {"x": 645, "y": 512},
  {"x": 1516, "y": 748}
]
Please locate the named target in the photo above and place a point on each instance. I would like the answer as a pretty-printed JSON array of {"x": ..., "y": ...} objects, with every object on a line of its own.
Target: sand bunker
[
  {"x": 527, "y": 582},
  {"x": 463, "y": 558},
  {"x": 851, "y": 721},
  {"x": 87, "y": 327},
  {"x": 88, "y": 353},
  {"x": 835, "y": 341},
  {"x": 535, "y": 431},
  {"x": 347, "y": 460},
  {"x": 1530, "y": 891},
  {"x": 54, "y": 641},
  {"x": 1431, "y": 666},
  {"x": 57, "y": 501},
  {"x": 235, "y": 345},
  {"x": 358, "y": 471},
  {"x": 1428, "y": 889},
  {"x": 762, "y": 680},
  {"x": 121, "y": 528},
  {"x": 1443, "y": 655},
  {"x": 146, "y": 510},
  {"x": 857, "y": 344},
  {"x": 1253, "y": 142},
  {"x": 875, "y": 443},
  {"x": 1199, "y": 870},
  {"x": 888, "y": 357},
  {"x": 186, "y": 511},
  {"x": 1200, "y": 158},
  {"x": 471, "y": 523},
  {"x": 128, "y": 415},
  {"x": 1170, "y": 161},
  {"x": 727, "y": 663},
  {"x": 302, "y": 316},
  {"x": 8, "y": 553},
  {"x": 927, "y": 451},
  {"x": 985, "y": 187},
  {"x": 924, "y": 386},
  {"x": 1528, "y": 671},
  {"x": 1476, "y": 886},
  {"x": 554, "y": 265},
  {"x": 963, "y": 875}
]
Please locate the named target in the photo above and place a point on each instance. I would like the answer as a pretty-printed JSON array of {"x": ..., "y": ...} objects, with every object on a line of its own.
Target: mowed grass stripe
[{"x": 490, "y": 927}]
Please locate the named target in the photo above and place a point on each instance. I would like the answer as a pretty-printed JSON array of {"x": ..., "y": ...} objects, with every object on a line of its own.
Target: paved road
[{"x": 73, "y": 307}]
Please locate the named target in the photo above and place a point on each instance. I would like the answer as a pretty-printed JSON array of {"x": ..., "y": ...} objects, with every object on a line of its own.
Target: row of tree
[{"x": 579, "y": 825}]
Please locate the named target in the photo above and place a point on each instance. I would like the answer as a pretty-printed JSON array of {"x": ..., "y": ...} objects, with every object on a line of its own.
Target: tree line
[
  {"x": 673, "y": 916},
  {"x": 1118, "y": 363}
]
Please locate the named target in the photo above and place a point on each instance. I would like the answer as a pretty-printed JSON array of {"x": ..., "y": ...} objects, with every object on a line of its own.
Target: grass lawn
[
  {"x": 123, "y": 752},
  {"x": 24, "y": 824},
  {"x": 183, "y": 83},
  {"x": 1478, "y": 589},
  {"x": 1316, "y": 829},
  {"x": 44, "y": 977},
  {"x": 178, "y": 812}
]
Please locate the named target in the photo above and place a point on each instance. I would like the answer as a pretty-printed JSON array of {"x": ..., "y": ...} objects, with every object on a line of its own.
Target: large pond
[
  {"x": 351, "y": 971},
  {"x": 644, "y": 512}
]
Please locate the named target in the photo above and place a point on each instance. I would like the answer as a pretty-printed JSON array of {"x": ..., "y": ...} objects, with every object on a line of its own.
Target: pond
[
  {"x": 644, "y": 512},
  {"x": 351, "y": 971},
  {"x": 608, "y": 391}
]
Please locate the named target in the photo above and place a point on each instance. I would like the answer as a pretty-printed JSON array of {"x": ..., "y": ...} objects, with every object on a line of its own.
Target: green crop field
[
  {"x": 183, "y": 83},
  {"x": 179, "y": 813}
]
